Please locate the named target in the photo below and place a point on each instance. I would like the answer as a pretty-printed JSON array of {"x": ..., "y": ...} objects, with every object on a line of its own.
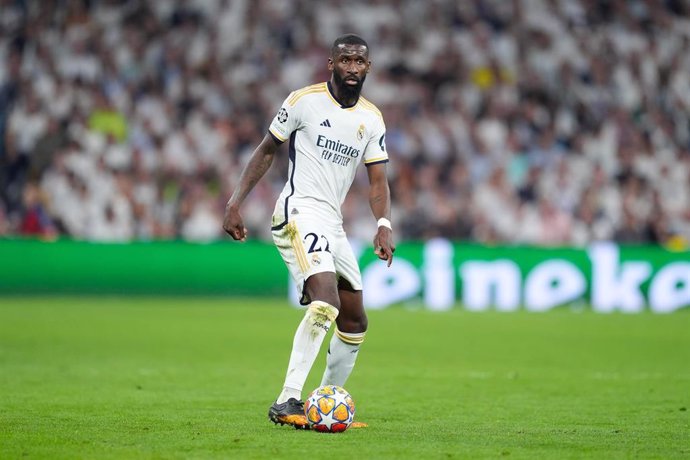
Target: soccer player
[{"x": 331, "y": 130}]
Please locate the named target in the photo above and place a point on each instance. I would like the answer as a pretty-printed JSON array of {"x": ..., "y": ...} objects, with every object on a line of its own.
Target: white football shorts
[{"x": 308, "y": 245}]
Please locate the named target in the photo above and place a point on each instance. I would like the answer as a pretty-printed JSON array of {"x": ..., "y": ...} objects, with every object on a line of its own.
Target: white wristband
[{"x": 383, "y": 222}]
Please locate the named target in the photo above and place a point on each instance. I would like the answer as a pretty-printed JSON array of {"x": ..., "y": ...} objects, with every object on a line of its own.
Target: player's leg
[
  {"x": 315, "y": 277},
  {"x": 306, "y": 344},
  {"x": 343, "y": 349},
  {"x": 321, "y": 293},
  {"x": 351, "y": 326},
  {"x": 352, "y": 320}
]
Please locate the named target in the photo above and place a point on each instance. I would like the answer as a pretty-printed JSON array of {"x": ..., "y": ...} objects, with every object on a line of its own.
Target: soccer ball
[{"x": 329, "y": 409}]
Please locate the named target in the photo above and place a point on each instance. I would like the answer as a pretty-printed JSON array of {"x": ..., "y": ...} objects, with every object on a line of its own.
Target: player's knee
[
  {"x": 353, "y": 323},
  {"x": 321, "y": 315},
  {"x": 321, "y": 287},
  {"x": 333, "y": 301},
  {"x": 362, "y": 323}
]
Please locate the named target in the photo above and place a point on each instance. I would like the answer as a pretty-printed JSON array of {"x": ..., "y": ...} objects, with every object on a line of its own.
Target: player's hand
[
  {"x": 233, "y": 225},
  {"x": 383, "y": 244}
]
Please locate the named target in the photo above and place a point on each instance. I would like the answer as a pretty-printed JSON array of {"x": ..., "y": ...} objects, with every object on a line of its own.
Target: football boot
[{"x": 291, "y": 412}]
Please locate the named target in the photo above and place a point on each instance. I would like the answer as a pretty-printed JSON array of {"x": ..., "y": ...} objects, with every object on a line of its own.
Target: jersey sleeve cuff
[
  {"x": 376, "y": 161},
  {"x": 276, "y": 137}
]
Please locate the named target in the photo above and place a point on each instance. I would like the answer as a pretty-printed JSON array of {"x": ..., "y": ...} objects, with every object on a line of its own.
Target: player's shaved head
[{"x": 348, "y": 39}]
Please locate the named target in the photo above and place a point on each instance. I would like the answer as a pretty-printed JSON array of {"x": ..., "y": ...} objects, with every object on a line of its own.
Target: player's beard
[{"x": 348, "y": 93}]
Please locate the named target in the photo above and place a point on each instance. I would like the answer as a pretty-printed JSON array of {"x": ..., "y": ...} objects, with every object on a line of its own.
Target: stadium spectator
[{"x": 35, "y": 220}]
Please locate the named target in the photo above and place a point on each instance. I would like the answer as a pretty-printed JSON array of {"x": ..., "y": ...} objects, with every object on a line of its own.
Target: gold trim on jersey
[
  {"x": 323, "y": 87},
  {"x": 338, "y": 103},
  {"x": 278, "y": 136},
  {"x": 374, "y": 160},
  {"x": 297, "y": 95},
  {"x": 370, "y": 106},
  {"x": 296, "y": 240}
]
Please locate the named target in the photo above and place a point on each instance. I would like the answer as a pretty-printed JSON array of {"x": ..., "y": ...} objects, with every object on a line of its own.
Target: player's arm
[
  {"x": 260, "y": 161},
  {"x": 380, "y": 202}
]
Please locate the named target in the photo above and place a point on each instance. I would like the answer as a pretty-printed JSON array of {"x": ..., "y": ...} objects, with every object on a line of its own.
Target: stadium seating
[{"x": 531, "y": 122}]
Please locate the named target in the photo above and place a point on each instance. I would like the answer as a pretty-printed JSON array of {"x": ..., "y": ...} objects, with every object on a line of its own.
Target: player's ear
[{"x": 330, "y": 64}]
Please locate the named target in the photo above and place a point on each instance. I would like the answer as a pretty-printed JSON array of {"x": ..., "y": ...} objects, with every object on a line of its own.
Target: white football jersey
[{"x": 327, "y": 143}]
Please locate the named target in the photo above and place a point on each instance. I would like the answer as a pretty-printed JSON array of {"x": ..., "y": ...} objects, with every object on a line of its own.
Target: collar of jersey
[{"x": 335, "y": 101}]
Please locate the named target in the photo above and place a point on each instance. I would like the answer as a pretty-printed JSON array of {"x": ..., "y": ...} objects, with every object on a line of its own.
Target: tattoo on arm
[
  {"x": 379, "y": 201},
  {"x": 379, "y": 192}
]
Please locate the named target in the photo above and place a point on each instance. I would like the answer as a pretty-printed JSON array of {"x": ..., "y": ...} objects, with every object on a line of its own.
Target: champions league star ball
[{"x": 329, "y": 409}]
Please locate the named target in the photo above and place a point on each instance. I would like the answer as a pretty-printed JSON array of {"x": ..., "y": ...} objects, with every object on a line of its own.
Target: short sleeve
[
  {"x": 285, "y": 122},
  {"x": 375, "y": 151}
]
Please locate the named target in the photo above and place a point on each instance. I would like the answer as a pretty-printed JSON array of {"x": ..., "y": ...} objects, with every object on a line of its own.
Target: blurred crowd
[{"x": 547, "y": 122}]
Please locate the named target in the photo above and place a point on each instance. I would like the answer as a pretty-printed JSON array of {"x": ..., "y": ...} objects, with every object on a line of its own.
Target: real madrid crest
[{"x": 360, "y": 132}]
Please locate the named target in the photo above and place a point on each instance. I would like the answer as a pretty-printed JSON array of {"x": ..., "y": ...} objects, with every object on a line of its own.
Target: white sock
[
  {"x": 288, "y": 393},
  {"x": 342, "y": 354},
  {"x": 305, "y": 347}
]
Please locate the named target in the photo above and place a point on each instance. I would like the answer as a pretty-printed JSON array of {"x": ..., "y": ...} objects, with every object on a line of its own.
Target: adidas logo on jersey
[{"x": 326, "y": 123}]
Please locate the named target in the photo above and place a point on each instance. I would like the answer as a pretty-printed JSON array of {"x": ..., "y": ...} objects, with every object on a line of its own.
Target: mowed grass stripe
[{"x": 193, "y": 378}]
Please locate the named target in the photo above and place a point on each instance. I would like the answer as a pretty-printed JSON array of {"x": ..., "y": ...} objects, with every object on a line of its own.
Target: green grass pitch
[{"x": 193, "y": 378}]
